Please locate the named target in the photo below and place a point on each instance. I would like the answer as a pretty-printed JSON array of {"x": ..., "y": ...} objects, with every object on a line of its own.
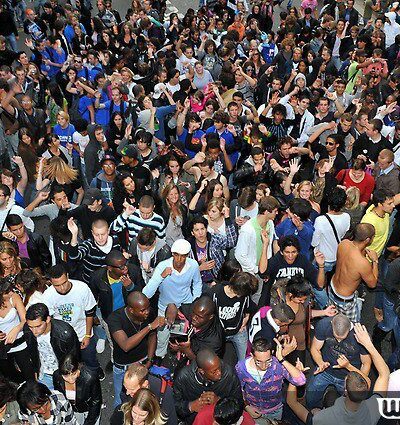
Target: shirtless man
[{"x": 354, "y": 265}]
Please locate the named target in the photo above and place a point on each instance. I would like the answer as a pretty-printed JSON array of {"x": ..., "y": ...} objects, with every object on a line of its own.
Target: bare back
[{"x": 351, "y": 268}]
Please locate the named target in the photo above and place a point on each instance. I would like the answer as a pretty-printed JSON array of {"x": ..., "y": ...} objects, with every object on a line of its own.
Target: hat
[
  {"x": 91, "y": 195},
  {"x": 181, "y": 246},
  {"x": 158, "y": 90},
  {"x": 299, "y": 76},
  {"x": 108, "y": 158},
  {"x": 129, "y": 151}
]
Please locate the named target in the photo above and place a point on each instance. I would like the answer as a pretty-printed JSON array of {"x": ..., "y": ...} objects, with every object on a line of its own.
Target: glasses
[
  {"x": 119, "y": 267},
  {"x": 40, "y": 408},
  {"x": 262, "y": 363},
  {"x": 329, "y": 144},
  {"x": 77, "y": 61},
  {"x": 109, "y": 165}
]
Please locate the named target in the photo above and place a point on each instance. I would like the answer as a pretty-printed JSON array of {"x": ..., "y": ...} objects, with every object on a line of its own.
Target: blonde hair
[
  {"x": 353, "y": 198},
  {"x": 301, "y": 185},
  {"x": 57, "y": 169},
  {"x": 146, "y": 401},
  {"x": 7, "y": 247},
  {"x": 216, "y": 202},
  {"x": 63, "y": 115}
]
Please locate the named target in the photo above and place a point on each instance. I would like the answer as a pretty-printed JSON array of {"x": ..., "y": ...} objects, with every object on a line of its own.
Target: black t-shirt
[
  {"x": 231, "y": 311},
  {"x": 117, "y": 321},
  {"x": 332, "y": 348},
  {"x": 278, "y": 268}
]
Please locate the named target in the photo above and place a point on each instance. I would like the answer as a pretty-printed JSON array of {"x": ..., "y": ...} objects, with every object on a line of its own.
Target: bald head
[
  {"x": 205, "y": 303},
  {"x": 136, "y": 298},
  {"x": 209, "y": 364},
  {"x": 205, "y": 357},
  {"x": 363, "y": 232}
]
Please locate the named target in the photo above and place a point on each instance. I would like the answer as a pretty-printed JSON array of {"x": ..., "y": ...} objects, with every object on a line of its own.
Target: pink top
[{"x": 312, "y": 4}]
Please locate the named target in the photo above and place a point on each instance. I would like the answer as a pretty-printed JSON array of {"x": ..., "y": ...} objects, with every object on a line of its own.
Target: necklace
[
  {"x": 134, "y": 326},
  {"x": 380, "y": 216}
]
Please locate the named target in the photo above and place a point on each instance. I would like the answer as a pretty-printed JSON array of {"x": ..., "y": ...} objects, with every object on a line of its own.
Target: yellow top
[{"x": 381, "y": 225}]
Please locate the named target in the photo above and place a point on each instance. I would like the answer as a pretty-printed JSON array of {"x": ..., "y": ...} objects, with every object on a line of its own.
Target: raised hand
[
  {"x": 128, "y": 208},
  {"x": 72, "y": 226}
]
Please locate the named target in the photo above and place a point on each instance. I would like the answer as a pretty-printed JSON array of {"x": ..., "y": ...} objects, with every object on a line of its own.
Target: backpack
[{"x": 164, "y": 374}]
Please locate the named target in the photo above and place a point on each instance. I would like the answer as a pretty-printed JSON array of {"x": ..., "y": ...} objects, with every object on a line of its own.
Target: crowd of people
[{"x": 222, "y": 202}]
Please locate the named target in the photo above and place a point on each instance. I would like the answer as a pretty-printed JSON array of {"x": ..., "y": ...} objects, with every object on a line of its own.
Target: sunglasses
[{"x": 329, "y": 144}]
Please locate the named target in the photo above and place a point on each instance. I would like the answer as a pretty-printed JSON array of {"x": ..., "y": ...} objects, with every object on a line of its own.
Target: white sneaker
[{"x": 101, "y": 345}]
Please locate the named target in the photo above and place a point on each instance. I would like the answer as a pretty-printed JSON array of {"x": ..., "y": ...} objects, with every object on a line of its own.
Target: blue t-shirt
[
  {"x": 102, "y": 115},
  {"x": 229, "y": 139},
  {"x": 118, "y": 299},
  {"x": 287, "y": 228},
  {"x": 196, "y": 140},
  {"x": 109, "y": 112},
  {"x": 64, "y": 134},
  {"x": 58, "y": 58},
  {"x": 83, "y": 110}
]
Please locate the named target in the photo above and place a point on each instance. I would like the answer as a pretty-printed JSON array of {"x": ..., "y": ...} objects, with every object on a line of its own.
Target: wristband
[
  {"x": 283, "y": 360},
  {"x": 149, "y": 326},
  {"x": 321, "y": 267},
  {"x": 88, "y": 336}
]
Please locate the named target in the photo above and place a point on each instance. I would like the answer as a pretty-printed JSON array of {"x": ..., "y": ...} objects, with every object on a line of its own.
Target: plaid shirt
[
  {"x": 61, "y": 411},
  {"x": 216, "y": 246}
]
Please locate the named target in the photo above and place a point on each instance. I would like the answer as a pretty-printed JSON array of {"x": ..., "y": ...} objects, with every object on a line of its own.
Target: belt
[
  {"x": 339, "y": 297},
  {"x": 125, "y": 366}
]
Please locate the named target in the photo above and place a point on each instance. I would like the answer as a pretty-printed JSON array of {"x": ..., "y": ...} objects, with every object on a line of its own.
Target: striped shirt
[
  {"x": 134, "y": 223},
  {"x": 91, "y": 255}
]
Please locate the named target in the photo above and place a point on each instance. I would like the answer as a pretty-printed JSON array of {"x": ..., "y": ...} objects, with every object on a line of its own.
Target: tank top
[{"x": 8, "y": 322}]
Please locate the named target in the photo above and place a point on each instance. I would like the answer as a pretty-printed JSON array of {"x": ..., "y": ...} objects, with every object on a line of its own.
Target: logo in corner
[{"x": 389, "y": 408}]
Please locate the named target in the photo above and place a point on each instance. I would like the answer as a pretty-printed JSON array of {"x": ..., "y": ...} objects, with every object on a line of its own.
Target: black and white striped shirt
[
  {"x": 134, "y": 223},
  {"x": 91, "y": 255}
]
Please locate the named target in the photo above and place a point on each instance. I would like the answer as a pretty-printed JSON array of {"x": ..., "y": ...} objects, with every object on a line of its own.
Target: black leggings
[{"x": 23, "y": 361}]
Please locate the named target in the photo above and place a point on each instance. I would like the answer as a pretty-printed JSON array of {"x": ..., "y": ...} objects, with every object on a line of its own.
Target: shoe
[
  {"x": 101, "y": 345},
  {"x": 101, "y": 374}
]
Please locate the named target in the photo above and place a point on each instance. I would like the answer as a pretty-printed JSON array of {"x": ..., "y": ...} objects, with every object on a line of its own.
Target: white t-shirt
[
  {"x": 324, "y": 238},
  {"x": 48, "y": 359},
  {"x": 71, "y": 307}
]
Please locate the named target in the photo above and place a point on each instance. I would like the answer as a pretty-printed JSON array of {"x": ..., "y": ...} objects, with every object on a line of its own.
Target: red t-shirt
[
  {"x": 366, "y": 185},
  {"x": 206, "y": 417}
]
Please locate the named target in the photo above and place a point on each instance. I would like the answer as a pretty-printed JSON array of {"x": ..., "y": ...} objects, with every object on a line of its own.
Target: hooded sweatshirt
[{"x": 391, "y": 29}]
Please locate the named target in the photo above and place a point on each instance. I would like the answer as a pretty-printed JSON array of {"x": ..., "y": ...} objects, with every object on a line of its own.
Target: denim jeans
[
  {"x": 321, "y": 298},
  {"x": 12, "y": 42},
  {"x": 47, "y": 380},
  {"x": 239, "y": 341},
  {"x": 118, "y": 378},
  {"x": 390, "y": 320},
  {"x": 89, "y": 355},
  {"x": 318, "y": 384}
]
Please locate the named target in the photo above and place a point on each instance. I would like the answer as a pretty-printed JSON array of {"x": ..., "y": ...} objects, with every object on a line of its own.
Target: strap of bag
[
  {"x": 163, "y": 388},
  {"x": 333, "y": 228}
]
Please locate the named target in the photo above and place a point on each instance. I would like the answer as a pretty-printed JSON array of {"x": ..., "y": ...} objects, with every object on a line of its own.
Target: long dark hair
[
  {"x": 120, "y": 193},
  {"x": 56, "y": 93}
]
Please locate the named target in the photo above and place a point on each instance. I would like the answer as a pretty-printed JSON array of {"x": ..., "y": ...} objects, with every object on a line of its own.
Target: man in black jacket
[
  {"x": 117, "y": 270},
  {"x": 93, "y": 208},
  {"x": 202, "y": 383},
  {"x": 49, "y": 341},
  {"x": 32, "y": 247},
  {"x": 205, "y": 329},
  {"x": 136, "y": 377}
]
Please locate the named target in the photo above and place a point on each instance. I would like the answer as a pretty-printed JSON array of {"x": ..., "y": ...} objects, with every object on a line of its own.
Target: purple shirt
[
  {"x": 266, "y": 396},
  {"x": 23, "y": 248}
]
